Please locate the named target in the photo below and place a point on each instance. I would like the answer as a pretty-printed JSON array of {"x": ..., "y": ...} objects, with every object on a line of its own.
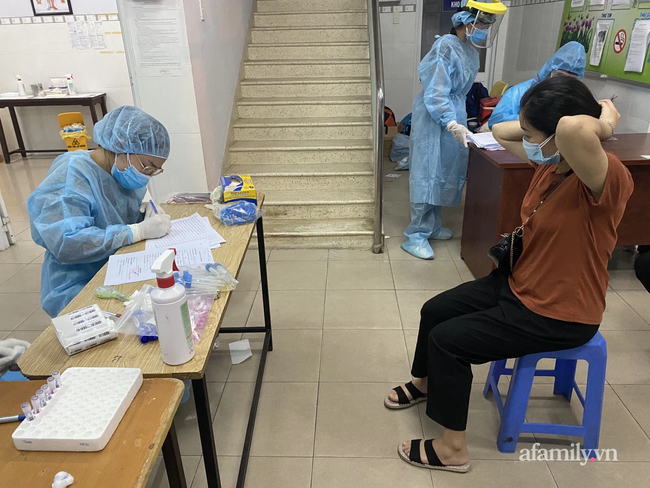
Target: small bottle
[
  {"x": 41, "y": 398},
  {"x": 36, "y": 404},
  {"x": 71, "y": 89},
  {"x": 46, "y": 391},
  {"x": 57, "y": 378},
  {"x": 172, "y": 314},
  {"x": 27, "y": 410},
  {"x": 21, "y": 86},
  {"x": 51, "y": 385}
]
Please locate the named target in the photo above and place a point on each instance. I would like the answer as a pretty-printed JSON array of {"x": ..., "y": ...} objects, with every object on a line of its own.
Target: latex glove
[
  {"x": 10, "y": 351},
  {"x": 148, "y": 211},
  {"x": 152, "y": 228},
  {"x": 460, "y": 132}
]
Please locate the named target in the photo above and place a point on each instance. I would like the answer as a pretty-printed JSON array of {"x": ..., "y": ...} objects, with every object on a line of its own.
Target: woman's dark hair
[{"x": 544, "y": 104}]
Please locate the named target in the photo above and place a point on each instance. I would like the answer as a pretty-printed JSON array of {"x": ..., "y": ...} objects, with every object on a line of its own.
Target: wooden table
[
  {"x": 46, "y": 354},
  {"x": 89, "y": 100},
  {"x": 127, "y": 459},
  {"x": 497, "y": 182}
]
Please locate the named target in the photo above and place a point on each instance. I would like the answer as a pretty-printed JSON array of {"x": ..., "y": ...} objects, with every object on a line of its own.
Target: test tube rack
[{"x": 83, "y": 413}]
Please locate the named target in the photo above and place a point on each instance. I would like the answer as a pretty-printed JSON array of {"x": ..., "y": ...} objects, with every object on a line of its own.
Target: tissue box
[{"x": 238, "y": 187}]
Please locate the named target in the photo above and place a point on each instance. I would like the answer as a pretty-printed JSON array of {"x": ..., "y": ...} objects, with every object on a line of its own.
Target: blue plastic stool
[{"x": 513, "y": 413}]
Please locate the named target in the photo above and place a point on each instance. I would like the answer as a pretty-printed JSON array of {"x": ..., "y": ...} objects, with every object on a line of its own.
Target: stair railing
[{"x": 377, "y": 101}]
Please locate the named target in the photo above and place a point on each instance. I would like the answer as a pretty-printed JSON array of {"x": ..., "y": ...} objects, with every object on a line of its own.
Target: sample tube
[
  {"x": 45, "y": 390},
  {"x": 36, "y": 405},
  {"x": 41, "y": 398},
  {"x": 27, "y": 410},
  {"x": 57, "y": 378},
  {"x": 51, "y": 385}
]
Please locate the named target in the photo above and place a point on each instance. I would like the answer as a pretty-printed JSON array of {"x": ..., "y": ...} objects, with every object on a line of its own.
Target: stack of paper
[
  {"x": 186, "y": 230},
  {"x": 485, "y": 140}
]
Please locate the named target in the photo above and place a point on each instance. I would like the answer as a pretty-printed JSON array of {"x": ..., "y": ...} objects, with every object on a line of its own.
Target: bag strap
[{"x": 550, "y": 192}]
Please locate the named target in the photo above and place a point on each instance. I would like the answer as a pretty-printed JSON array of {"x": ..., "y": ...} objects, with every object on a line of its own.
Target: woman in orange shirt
[{"x": 555, "y": 297}]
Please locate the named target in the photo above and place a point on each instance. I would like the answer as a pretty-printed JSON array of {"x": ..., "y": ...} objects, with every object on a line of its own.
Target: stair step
[
  {"x": 302, "y": 19},
  {"x": 307, "y": 87},
  {"x": 301, "y": 152},
  {"x": 324, "y": 234},
  {"x": 309, "y": 5},
  {"x": 324, "y": 204},
  {"x": 317, "y": 128},
  {"x": 304, "y": 107},
  {"x": 308, "y": 176},
  {"x": 309, "y": 50},
  {"x": 307, "y": 68},
  {"x": 271, "y": 35}
]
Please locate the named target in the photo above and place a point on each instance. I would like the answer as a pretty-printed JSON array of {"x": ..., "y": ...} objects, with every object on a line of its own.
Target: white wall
[
  {"x": 39, "y": 51},
  {"x": 532, "y": 33},
  {"x": 216, "y": 47}
]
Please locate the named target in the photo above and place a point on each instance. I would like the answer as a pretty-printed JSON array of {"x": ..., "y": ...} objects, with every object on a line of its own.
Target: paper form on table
[
  {"x": 602, "y": 28},
  {"x": 638, "y": 46},
  {"x": 188, "y": 229},
  {"x": 136, "y": 266}
]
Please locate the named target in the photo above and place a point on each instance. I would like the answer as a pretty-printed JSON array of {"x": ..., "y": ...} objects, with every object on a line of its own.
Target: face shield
[
  {"x": 562, "y": 72},
  {"x": 489, "y": 15}
]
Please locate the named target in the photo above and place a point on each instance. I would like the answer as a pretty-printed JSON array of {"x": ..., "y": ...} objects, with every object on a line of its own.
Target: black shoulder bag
[{"x": 506, "y": 252}]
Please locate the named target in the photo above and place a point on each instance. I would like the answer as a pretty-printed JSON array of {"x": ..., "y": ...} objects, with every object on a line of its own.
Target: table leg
[
  {"x": 93, "y": 112},
  {"x": 3, "y": 142},
  {"x": 265, "y": 283},
  {"x": 103, "y": 105},
  {"x": 204, "y": 418},
  {"x": 173, "y": 461},
  {"x": 19, "y": 135}
]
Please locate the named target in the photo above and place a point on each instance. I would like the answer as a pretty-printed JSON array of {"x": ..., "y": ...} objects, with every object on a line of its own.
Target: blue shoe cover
[
  {"x": 419, "y": 249},
  {"x": 443, "y": 234},
  {"x": 186, "y": 393}
]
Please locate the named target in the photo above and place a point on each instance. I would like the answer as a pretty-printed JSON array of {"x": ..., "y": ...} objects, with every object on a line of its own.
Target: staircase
[{"x": 304, "y": 129}]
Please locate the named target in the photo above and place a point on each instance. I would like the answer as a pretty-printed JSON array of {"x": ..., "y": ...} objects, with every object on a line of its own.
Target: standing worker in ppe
[
  {"x": 89, "y": 204},
  {"x": 569, "y": 60},
  {"x": 438, "y": 144}
]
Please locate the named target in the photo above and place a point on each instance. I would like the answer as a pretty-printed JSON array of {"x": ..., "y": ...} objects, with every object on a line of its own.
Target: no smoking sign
[{"x": 619, "y": 41}]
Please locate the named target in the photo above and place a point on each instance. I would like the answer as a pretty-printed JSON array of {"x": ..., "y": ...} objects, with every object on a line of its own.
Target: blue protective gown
[
  {"x": 438, "y": 162},
  {"x": 570, "y": 57},
  {"x": 80, "y": 215}
]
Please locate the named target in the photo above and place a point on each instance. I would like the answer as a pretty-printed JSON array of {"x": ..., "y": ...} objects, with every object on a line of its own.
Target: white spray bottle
[
  {"x": 21, "y": 86},
  {"x": 171, "y": 311}
]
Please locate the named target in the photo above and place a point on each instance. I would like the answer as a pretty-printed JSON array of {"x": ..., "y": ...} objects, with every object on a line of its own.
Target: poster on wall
[
  {"x": 615, "y": 38},
  {"x": 51, "y": 7}
]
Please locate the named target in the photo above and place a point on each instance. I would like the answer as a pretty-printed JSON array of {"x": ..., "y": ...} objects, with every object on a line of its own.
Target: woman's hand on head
[{"x": 609, "y": 114}]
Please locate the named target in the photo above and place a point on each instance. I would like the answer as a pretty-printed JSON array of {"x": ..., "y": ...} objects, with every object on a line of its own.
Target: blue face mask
[
  {"x": 130, "y": 178},
  {"x": 534, "y": 152},
  {"x": 478, "y": 36}
]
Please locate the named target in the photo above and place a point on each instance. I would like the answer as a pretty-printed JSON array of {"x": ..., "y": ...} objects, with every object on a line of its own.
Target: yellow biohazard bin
[{"x": 73, "y": 131}]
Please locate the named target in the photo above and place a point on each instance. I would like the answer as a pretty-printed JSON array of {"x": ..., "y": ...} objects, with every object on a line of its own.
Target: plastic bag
[
  {"x": 236, "y": 213},
  {"x": 207, "y": 279},
  {"x": 400, "y": 148},
  {"x": 108, "y": 292},
  {"x": 403, "y": 165}
]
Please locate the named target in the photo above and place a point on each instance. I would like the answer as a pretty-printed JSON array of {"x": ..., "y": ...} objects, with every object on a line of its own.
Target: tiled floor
[{"x": 345, "y": 324}]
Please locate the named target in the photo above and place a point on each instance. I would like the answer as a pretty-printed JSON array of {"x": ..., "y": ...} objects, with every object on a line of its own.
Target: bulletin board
[{"x": 615, "y": 34}]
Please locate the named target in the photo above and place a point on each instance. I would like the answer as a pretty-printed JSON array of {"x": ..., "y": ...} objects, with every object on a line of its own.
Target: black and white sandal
[
  {"x": 403, "y": 402},
  {"x": 432, "y": 458}
]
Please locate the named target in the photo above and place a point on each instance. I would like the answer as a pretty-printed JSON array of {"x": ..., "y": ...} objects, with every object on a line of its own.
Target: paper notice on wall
[
  {"x": 158, "y": 38},
  {"x": 638, "y": 46},
  {"x": 577, "y": 3},
  {"x": 622, "y": 2},
  {"x": 602, "y": 28},
  {"x": 79, "y": 38},
  {"x": 597, "y": 2},
  {"x": 96, "y": 35}
]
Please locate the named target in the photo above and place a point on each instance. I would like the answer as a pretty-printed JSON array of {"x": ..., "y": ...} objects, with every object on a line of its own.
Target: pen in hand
[{"x": 153, "y": 206}]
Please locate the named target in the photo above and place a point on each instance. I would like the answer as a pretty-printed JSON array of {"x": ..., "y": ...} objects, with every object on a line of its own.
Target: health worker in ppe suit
[
  {"x": 90, "y": 203},
  {"x": 569, "y": 60},
  {"x": 438, "y": 144}
]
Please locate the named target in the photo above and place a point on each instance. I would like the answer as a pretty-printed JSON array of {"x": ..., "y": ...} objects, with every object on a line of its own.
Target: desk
[
  {"x": 127, "y": 459},
  {"x": 85, "y": 100},
  {"x": 497, "y": 182},
  {"x": 46, "y": 354}
]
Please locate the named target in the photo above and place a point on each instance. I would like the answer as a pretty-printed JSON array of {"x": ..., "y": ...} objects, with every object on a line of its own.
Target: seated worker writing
[
  {"x": 555, "y": 297},
  {"x": 89, "y": 204}
]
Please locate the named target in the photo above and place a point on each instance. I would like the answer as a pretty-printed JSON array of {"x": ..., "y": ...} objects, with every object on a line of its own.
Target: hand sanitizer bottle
[{"x": 172, "y": 314}]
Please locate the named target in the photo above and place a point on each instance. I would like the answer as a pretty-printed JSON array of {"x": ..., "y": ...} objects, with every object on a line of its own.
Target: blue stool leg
[
  {"x": 516, "y": 404},
  {"x": 594, "y": 400},
  {"x": 565, "y": 374},
  {"x": 496, "y": 370}
]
